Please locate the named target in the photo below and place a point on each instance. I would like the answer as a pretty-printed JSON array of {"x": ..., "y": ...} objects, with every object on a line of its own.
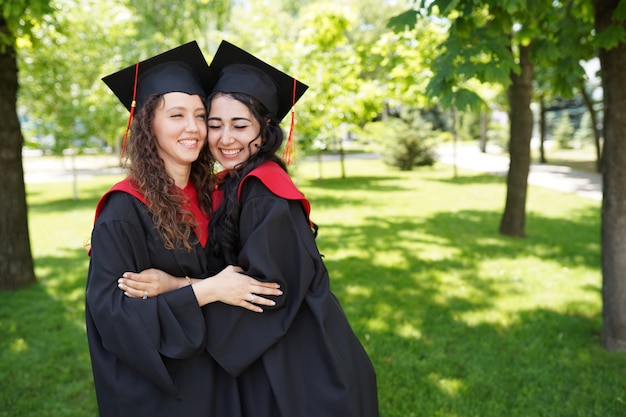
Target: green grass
[
  {"x": 583, "y": 159},
  {"x": 458, "y": 320}
]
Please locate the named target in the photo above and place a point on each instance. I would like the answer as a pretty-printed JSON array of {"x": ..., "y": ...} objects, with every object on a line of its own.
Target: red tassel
[
  {"x": 290, "y": 147},
  {"x": 133, "y": 105}
]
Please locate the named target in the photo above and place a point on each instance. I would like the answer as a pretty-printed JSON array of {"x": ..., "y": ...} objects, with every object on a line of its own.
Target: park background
[{"x": 459, "y": 319}]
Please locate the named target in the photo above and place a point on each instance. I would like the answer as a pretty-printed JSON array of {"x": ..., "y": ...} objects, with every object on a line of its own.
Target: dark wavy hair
[
  {"x": 224, "y": 225},
  {"x": 147, "y": 173}
]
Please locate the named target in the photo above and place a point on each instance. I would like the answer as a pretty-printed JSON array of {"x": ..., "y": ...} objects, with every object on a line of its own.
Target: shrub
[
  {"x": 405, "y": 139},
  {"x": 409, "y": 145}
]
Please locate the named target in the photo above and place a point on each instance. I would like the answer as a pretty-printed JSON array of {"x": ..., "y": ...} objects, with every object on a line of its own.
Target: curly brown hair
[{"x": 147, "y": 173}]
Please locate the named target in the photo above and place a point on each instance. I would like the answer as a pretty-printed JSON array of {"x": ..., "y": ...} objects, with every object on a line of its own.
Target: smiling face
[
  {"x": 179, "y": 125},
  {"x": 234, "y": 132}
]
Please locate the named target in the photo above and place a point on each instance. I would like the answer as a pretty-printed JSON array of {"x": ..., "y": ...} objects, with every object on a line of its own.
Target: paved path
[
  {"x": 62, "y": 168},
  {"x": 560, "y": 178},
  {"x": 586, "y": 184}
]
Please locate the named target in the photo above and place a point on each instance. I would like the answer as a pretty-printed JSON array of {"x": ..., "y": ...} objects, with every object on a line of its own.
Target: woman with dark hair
[
  {"x": 300, "y": 358},
  {"x": 148, "y": 352},
  {"x": 260, "y": 148}
]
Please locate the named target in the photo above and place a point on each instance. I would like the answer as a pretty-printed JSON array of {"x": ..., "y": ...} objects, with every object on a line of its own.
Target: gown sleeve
[
  {"x": 278, "y": 246},
  {"x": 140, "y": 333}
]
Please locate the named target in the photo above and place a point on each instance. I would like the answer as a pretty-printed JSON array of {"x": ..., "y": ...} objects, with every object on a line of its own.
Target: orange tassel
[
  {"x": 289, "y": 154},
  {"x": 133, "y": 105}
]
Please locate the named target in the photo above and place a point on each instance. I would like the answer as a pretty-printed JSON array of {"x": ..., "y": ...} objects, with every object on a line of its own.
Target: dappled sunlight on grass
[
  {"x": 448, "y": 386},
  {"x": 409, "y": 330},
  {"x": 18, "y": 345},
  {"x": 458, "y": 320},
  {"x": 493, "y": 318}
]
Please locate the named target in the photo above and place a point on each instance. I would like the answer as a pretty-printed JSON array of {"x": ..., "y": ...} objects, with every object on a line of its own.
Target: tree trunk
[
  {"x": 520, "y": 94},
  {"x": 16, "y": 263},
  {"x": 613, "y": 70},
  {"x": 342, "y": 159},
  {"x": 593, "y": 115},
  {"x": 542, "y": 130},
  {"x": 484, "y": 125}
]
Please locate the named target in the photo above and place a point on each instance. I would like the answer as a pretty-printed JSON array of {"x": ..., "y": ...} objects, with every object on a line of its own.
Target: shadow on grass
[
  {"x": 46, "y": 370},
  {"x": 432, "y": 360},
  {"x": 356, "y": 183},
  {"x": 474, "y": 179},
  {"x": 343, "y": 199},
  {"x": 407, "y": 307}
]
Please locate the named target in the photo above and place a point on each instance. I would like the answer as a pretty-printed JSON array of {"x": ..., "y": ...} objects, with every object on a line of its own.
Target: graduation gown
[
  {"x": 149, "y": 357},
  {"x": 301, "y": 357}
]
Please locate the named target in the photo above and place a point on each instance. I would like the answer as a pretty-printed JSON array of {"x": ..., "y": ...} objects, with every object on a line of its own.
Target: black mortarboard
[
  {"x": 182, "y": 69},
  {"x": 237, "y": 71}
]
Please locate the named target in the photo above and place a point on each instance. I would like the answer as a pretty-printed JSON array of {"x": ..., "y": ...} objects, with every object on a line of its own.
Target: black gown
[
  {"x": 149, "y": 357},
  {"x": 301, "y": 357}
]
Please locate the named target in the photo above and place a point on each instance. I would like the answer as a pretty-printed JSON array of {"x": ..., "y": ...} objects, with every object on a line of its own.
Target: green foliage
[
  {"x": 584, "y": 135},
  {"x": 343, "y": 51},
  {"x": 22, "y": 17},
  {"x": 484, "y": 38},
  {"x": 406, "y": 19},
  {"x": 561, "y": 48},
  {"x": 61, "y": 92},
  {"x": 458, "y": 320},
  {"x": 339, "y": 97},
  {"x": 564, "y": 132},
  {"x": 468, "y": 126},
  {"x": 610, "y": 37},
  {"x": 498, "y": 135},
  {"x": 614, "y": 34},
  {"x": 408, "y": 141}
]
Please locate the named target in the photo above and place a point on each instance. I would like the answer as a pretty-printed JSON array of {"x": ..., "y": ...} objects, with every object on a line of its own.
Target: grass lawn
[
  {"x": 458, "y": 320},
  {"x": 583, "y": 159}
]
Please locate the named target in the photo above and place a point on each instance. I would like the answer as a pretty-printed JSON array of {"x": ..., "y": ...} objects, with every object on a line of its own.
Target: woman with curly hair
[{"x": 148, "y": 352}]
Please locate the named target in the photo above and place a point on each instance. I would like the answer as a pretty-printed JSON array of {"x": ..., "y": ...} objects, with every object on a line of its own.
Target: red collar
[
  {"x": 275, "y": 178},
  {"x": 202, "y": 220}
]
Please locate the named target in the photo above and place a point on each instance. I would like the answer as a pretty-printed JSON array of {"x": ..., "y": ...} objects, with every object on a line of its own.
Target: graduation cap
[
  {"x": 238, "y": 71},
  {"x": 182, "y": 69}
]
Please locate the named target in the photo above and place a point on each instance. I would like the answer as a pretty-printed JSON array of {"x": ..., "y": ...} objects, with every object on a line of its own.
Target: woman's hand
[
  {"x": 236, "y": 289},
  {"x": 149, "y": 283}
]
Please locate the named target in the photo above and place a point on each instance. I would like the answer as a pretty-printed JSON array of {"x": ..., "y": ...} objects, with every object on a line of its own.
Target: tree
[
  {"x": 561, "y": 75},
  {"x": 59, "y": 58},
  {"x": 610, "y": 39},
  {"x": 610, "y": 24},
  {"x": 60, "y": 84},
  {"x": 16, "y": 264},
  {"x": 60, "y": 89},
  {"x": 513, "y": 221},
  {"x": 502, "y": 42}
]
